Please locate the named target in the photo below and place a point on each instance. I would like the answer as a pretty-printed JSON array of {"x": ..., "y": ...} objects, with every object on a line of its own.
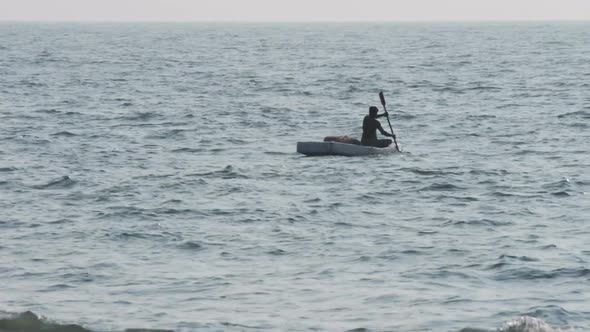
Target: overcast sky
[{"x": 293, "y": 10}]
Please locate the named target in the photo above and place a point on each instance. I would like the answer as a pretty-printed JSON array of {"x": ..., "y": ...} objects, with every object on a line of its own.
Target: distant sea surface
[{"x": 149, "y": 179}]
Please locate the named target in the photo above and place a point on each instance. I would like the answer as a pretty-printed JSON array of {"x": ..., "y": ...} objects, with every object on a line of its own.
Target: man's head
[{"x": 373, "y": 110}]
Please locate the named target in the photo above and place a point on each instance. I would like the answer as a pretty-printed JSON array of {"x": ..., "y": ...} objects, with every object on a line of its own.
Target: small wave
[
  {"x": 524, "y": 273},
  {"x": 481, "y": 116},
  {"x": 560, "y": 184},
  {"x": 420, "y": 171},
  {"x": 519, "y": 258},
  {"x": 458, "y": 198},
  {"x": 276, "y": 110},
  {"x": 441, "y": 187},
  {"x": 61, "y": 221},
  {"x": 64, "y": 134},
  {"x": 191, "y": 245},
  {"x": 506, "y": 194},
  {"x": 11, "y": 224},
  {"x": 352, "y": 88},
  {"x": 153, "y": 176},
  {"x": 134, "y": 235},
  {"x": 552, "y": 311},
  {"x": 57, "y": 287},
  {"x": 579, "y": 125},
  {"x": 277, "y": 153},
  {"x": 422, "y": 233},
  {"x": 484, "y": 88},
  {"x": 526, "y": 324},
  {"x": 62, "y": 183},
  {"x": 188, "y": 150},
  {"x": 412, "y": 252},
  {"x": 147, "y": 330},
  {"x": 31, "y": 84},
  {"x": 29, "y": 322},
  {"x": 236, "y": 141},
  {"x": 510, "y": 105},
  {"x": 402, "y": 116},
  {"x": 8, "y": 169},
  {"x": 561, "y": 194},
  {"x": 277, "y": 252},
  {"x": 129, "y": 211},
  {"x": 488, "y": 172},
  {"x": 558, "y": 188},
  {"x": 166, "y": 134},
  {"x": 578, "y": 114},
  {"x": 477, "y": 222},
  {"x": 433, "y": 45},
  {"x": 421, "y": 84},
  {"x": 522, "y": 324},
  {"x": 48, "y": 111},
  {"x": 506, "y": 260},
  {"x": 242, "y": 327},
  {"x": 549, "y": 246},
  {"x": 226, "y": 173},
  {"x": 174, "y": 211},
  {"x": 448, "y": 89},
  {"x": 141, "y": 116}
]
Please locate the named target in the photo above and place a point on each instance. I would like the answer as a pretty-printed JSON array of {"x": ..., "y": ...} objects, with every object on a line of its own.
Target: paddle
[{"x": 385, "y": 108}]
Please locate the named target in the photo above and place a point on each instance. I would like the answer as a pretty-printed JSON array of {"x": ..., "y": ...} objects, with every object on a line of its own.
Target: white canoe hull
[{"x": 340, "y": 149}]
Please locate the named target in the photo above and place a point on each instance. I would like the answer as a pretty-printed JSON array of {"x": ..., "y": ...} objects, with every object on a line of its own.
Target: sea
[{"x": 149, "y": 179}]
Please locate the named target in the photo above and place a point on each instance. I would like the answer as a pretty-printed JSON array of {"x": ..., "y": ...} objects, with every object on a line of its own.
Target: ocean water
[{"x": 149, "y": 179}]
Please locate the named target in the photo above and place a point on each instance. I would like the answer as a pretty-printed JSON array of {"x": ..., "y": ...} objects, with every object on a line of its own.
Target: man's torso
[{"x": 370, "y": 126}]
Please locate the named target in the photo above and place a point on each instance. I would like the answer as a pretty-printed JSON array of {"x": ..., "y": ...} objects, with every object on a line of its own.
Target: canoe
[{"x": 340, "y": 149}]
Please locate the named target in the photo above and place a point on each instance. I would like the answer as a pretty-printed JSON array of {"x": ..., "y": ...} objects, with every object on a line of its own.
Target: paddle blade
[{"x": 382, "y": 98}]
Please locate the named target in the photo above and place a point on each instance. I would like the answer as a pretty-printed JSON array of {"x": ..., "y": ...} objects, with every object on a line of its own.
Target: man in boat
[{"x": 370, "y": 127}]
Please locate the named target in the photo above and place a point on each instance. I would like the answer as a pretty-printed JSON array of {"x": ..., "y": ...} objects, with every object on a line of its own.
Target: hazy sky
[{"x": 293, "y": 10}]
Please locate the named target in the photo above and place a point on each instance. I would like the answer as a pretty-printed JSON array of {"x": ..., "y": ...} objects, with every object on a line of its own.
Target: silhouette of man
[{"x": 370, "y": 127}]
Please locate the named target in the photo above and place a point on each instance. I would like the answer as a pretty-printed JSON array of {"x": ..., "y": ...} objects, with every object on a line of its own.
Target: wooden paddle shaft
[{"x": 389, "y": 122}]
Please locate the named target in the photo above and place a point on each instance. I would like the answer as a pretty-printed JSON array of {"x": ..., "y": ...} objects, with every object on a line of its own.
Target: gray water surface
[{"x": 148, "y": 176}]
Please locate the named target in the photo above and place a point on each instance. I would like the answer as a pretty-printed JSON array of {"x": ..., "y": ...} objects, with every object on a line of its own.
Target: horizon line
[{"x": 323, "y": 21}]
